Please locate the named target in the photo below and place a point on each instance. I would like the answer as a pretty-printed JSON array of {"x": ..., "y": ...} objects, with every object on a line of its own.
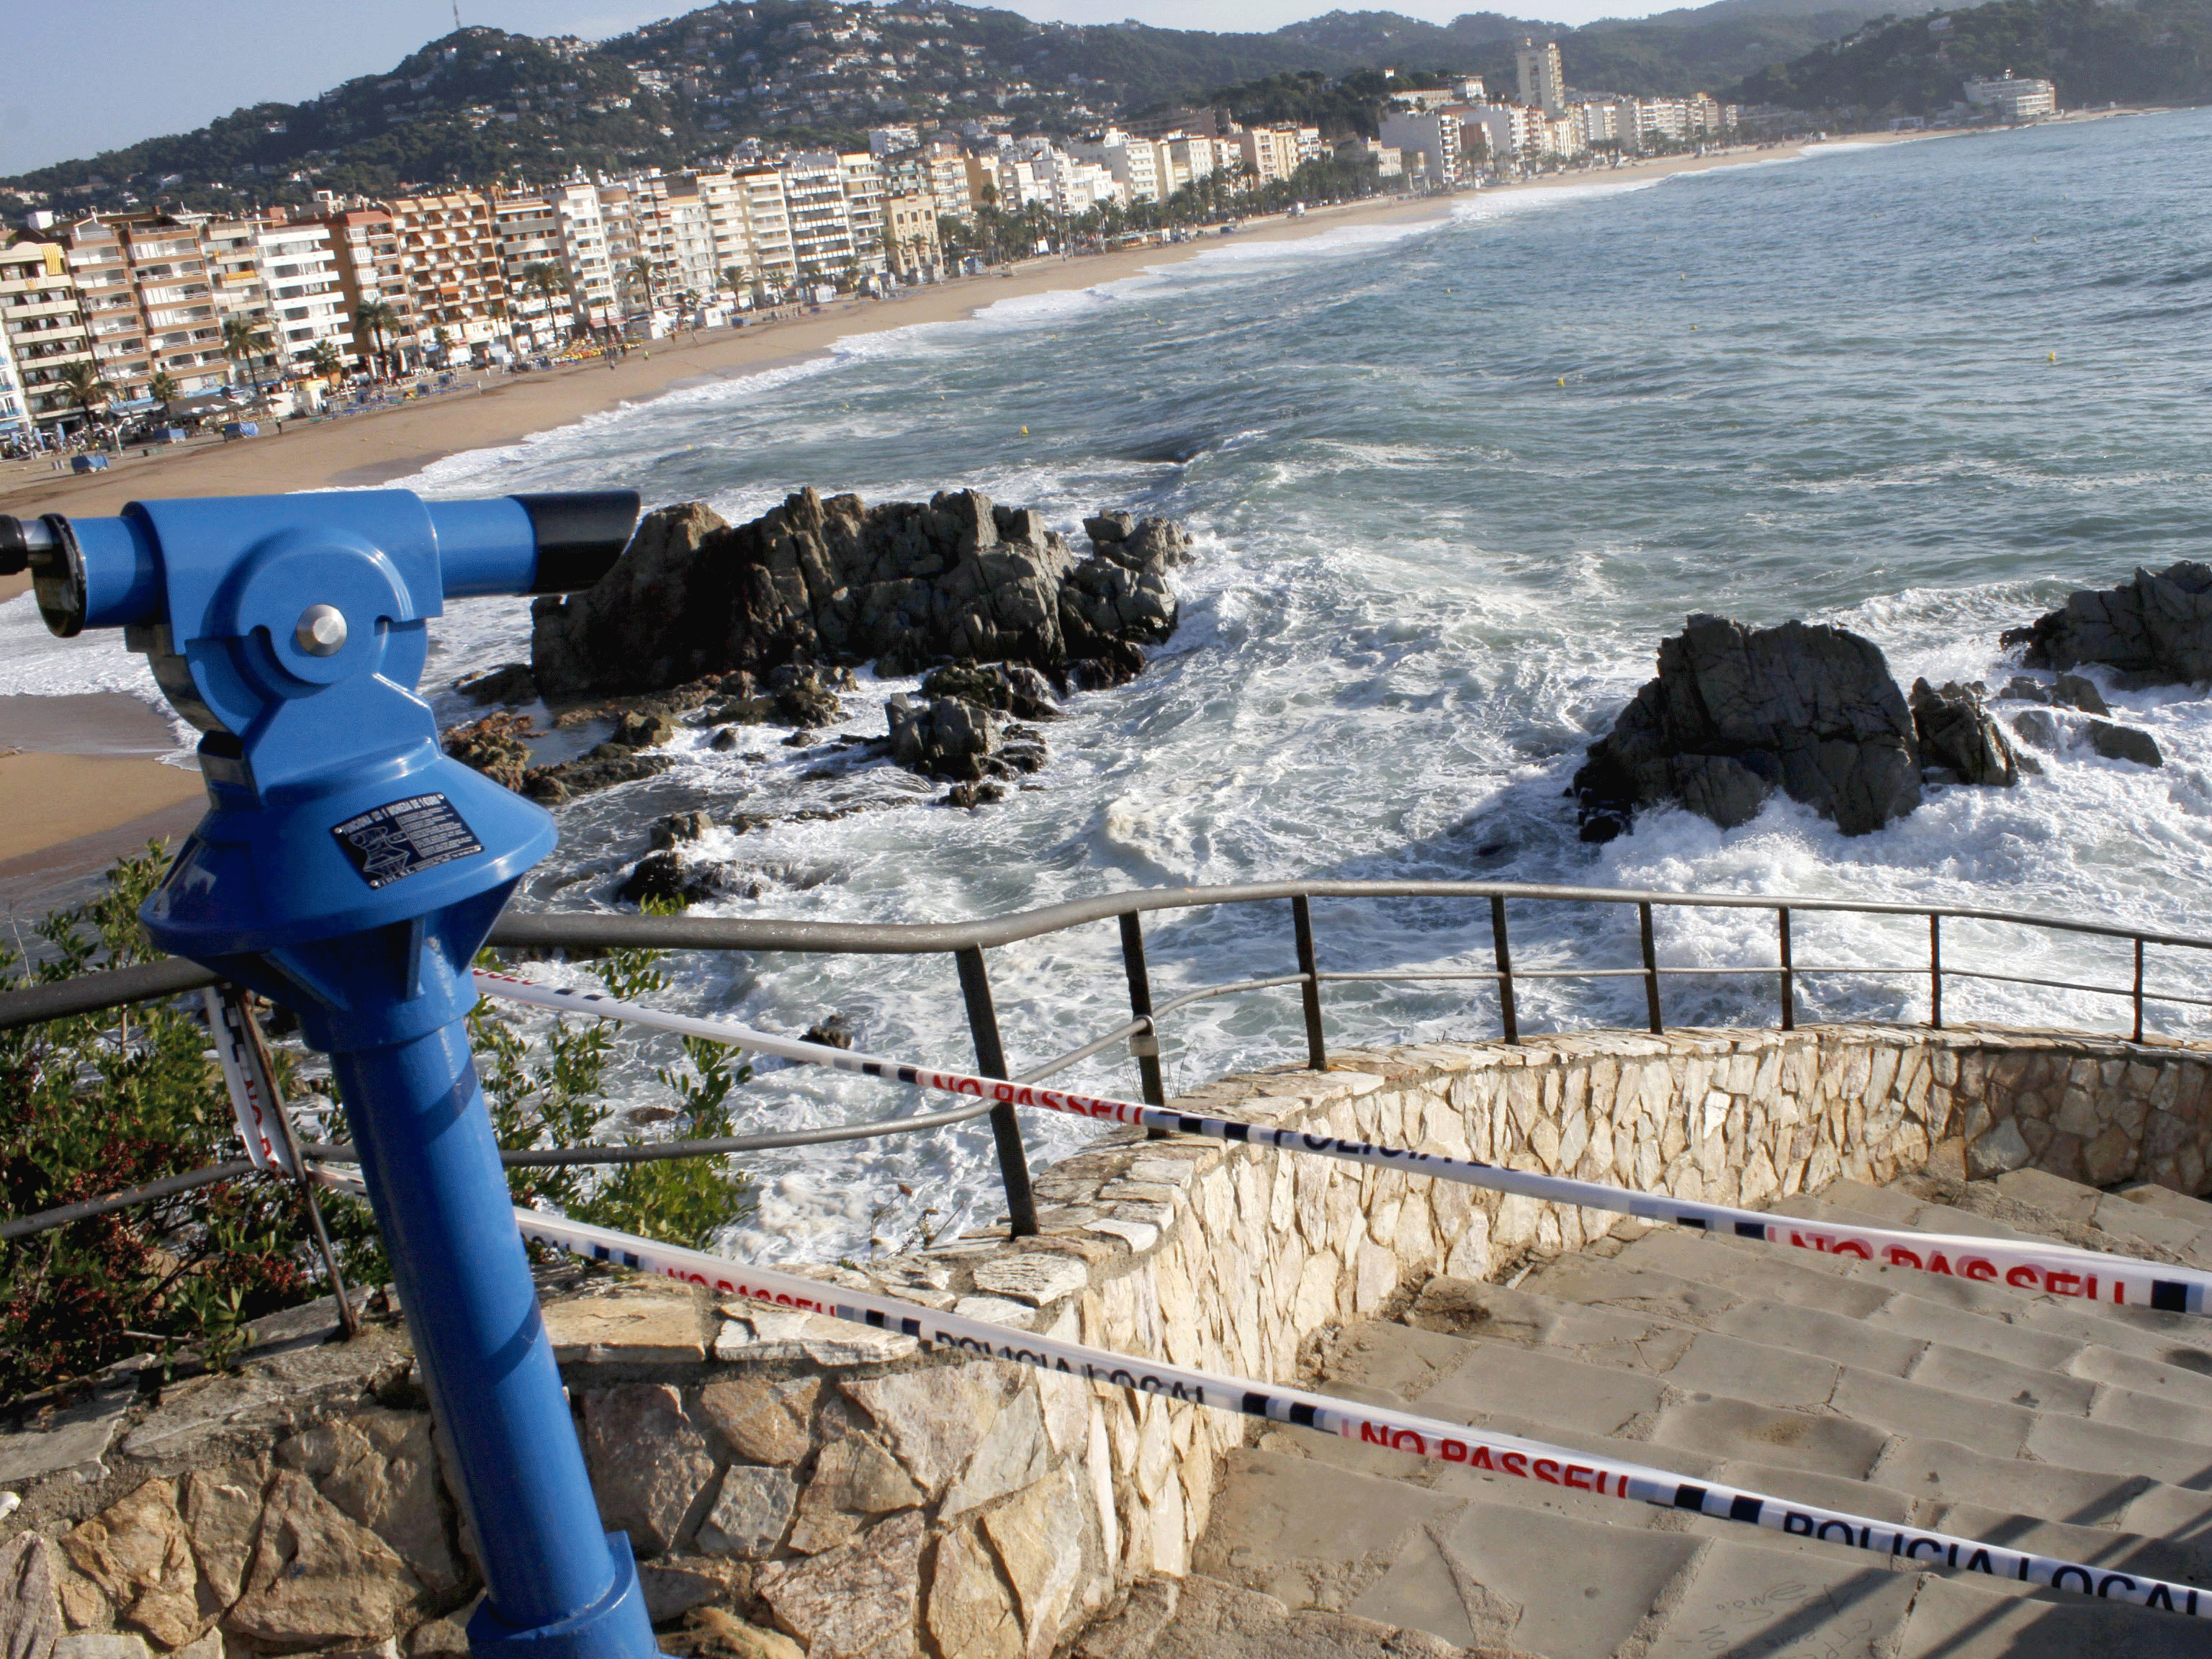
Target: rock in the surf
[
  {"x": 831, "y": 580},
  {"x": 1737, "y": 712},
  {"x": 2155, "y": 629},
  {"x": 2122, "y": 743},
  {"x": 1957, "y": 733}
]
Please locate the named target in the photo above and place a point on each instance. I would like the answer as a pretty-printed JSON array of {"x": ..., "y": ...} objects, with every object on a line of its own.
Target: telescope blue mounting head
[
  {"x": 348, "y": 869},
  {"x": 292, "y": 631}
]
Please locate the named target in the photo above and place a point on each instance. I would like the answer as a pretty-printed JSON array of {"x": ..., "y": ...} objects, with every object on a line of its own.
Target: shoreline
[
  {"x": 367, "y": 450},
  {"x": 97, "y": 802}
]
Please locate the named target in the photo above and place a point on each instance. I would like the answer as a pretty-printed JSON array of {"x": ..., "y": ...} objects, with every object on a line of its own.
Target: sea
[{"x": 1450, "y": 482}]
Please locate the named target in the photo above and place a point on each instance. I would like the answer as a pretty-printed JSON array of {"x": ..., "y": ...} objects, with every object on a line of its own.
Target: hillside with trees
[
  {"x": 482, "y": 107},
  {"x": 2154, "y": 52}
]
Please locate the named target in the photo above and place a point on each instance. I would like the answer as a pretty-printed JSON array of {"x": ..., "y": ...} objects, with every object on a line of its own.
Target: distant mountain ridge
[
  {"x": 483, "y": 105},
  {"x": 2152, "y": 52}
]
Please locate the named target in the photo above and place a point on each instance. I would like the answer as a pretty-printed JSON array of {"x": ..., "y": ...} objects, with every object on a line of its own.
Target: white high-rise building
[
  {"x": 585, "y": 253},
  {"x": 1543, "y": 81},
  {"x": 307, "y": 304},
  {"x": 528, "y": 231}
]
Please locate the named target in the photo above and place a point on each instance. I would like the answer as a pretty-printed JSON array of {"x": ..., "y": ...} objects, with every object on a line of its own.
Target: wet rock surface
[
  {"x": 1738, "y": 713},
  {"x": 2156, "y": 629},
  {"x": 831, "y": 580},
  {"x": 1958, "y": 734}
]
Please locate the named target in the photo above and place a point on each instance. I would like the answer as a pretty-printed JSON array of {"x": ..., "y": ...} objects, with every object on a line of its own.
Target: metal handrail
[{"x": 967, "y": 941}]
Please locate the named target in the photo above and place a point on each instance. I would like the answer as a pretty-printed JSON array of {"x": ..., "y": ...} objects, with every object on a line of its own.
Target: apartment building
[
  {"x": 539, "y": 316},
  {"x": 232, "y": 248},
  {"x": 821, "y": 229},
  {"x": 768, "y": 228},
  {"x": 42, "y": 329},
  {"x": 449, "y": 258},
  {"x": 1511, "y": 132},
  {"x": 1434, "y": 134},
  {"x": 1543, "y": 78},
  {"x": 863, "y": 182},
  {"x": 1133, "y": 163},
  {"x": 735, "y": 270},
  {"x": 99, "y": 261},
  {"x": 1184, "y": 159},
  {"x": 2013, "y": 98},
  {"x": 14, "y": 411},
  {"x": 366, "y": 252},
  {"x": 304, "y": 299},
  {"x": 910, "y": 240},
  {"x": 1271, "y": 153},
  {"x": 583, "y": 241},
  {"x": 675, "y": 235},
  {"x": 946, "y": 167}
]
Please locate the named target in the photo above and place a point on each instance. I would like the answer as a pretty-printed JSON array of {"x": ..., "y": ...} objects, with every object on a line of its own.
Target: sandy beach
[{"x": 78, "y": 794}]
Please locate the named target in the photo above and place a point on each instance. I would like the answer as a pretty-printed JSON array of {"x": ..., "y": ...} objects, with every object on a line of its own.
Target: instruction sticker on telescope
[{"x": 402, "y": 838}]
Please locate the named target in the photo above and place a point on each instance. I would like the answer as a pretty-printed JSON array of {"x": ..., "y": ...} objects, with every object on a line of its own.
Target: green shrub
[
  {"x": 553, "y": 1093},
  {"x": 100, "y": 1103}
]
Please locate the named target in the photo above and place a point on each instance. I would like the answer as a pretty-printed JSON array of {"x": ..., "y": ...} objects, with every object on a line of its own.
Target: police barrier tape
[
  {"x": 254, "y": 1103},
  {"x": 2024, "y": 1264},
  {"x": 1373, "y": 1426}
]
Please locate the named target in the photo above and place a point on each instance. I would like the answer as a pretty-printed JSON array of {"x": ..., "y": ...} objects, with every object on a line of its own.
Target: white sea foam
[{"x": 1425, "y": 579}]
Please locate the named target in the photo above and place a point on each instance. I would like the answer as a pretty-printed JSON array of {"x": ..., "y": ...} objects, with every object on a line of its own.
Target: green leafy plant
[
  {"x": 552, "y": 1092},
  {"x": 100, "y": 1103}
]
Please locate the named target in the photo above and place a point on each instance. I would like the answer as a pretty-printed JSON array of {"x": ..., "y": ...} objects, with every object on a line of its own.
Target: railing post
[
  {"x": 991, "y": 1061},
  {"x": 266, "y": 1064},
  {"x": 1788, "y": 975},
  {"x": 1507, "y": 1013},
  {"x": 1308, "y": 966},
  {"x": 1146, "y": 1044},
  {"x": 1651, "y": 967},
  {"x": 2139, "y": 979},
  {"x": 1934, "y": 971}
]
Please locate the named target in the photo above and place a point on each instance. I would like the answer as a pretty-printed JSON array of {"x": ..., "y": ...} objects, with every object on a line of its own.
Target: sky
[{"x": 80, "y": 79}]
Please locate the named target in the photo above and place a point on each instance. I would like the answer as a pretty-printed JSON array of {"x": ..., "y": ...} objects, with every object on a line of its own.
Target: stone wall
[{"x": 795, "y": 1485}]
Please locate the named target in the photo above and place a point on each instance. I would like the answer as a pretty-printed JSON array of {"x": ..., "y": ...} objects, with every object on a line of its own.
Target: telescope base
[{"x": 616, "y": 1627}]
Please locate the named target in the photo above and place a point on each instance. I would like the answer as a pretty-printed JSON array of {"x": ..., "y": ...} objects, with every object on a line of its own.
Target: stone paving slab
[
  {"x": 1962, "y": 1619},
  {"x": 2168, "y": 1202},
  {"x": 1747, "y": 1598},
  {"x": 1496, "y": 1378},
  {"x": 1562, "y": 1587},
  {"x": 1732, "y": 1428}
]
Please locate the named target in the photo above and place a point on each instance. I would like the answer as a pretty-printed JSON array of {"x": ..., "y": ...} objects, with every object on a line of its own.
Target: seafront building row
[{"x": 148, "y": 309}]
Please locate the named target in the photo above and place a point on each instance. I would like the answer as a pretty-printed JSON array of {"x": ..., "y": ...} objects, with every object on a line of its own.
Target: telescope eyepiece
[{"x": 46, "y": 549}]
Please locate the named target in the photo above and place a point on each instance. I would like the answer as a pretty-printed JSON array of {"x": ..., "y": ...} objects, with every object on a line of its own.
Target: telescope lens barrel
[{"x": 581, "y": 534}]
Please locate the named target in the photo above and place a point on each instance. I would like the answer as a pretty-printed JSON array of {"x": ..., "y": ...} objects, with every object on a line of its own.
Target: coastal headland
[{"x": 76, "y": 802}]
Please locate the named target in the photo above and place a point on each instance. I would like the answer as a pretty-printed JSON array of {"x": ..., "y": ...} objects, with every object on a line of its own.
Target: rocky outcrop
[
  {"x": 1957, "y": 733},
  {"x": 1738, "y": 713},
  {"x": 2156, "y": 629},
  {"x": 834, "y": 581},
  {"x": 497, "y": 746}
]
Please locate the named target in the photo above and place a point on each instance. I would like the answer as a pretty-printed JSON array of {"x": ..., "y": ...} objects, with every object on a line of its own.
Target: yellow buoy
[
  {"x": 1563, "y": 380},
  {"x": 2054, "y": 356},
  {"x": 1025, "y": 432}
]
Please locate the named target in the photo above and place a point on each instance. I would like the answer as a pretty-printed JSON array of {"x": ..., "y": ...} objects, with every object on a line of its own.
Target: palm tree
[
  {"x": 326, "y": 360},
  {"x": 243, "y": 340},
  {"x": 375, "y": 321},
  {"x": 164, "y": 388},
  {"x": 87, "y": 387},
  {"x": 637, "y": 277},
  {"x": 545, "y": 279}
]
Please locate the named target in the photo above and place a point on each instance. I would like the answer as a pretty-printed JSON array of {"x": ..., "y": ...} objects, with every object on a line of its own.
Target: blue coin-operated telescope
[{"x": 349, "y": 870}]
